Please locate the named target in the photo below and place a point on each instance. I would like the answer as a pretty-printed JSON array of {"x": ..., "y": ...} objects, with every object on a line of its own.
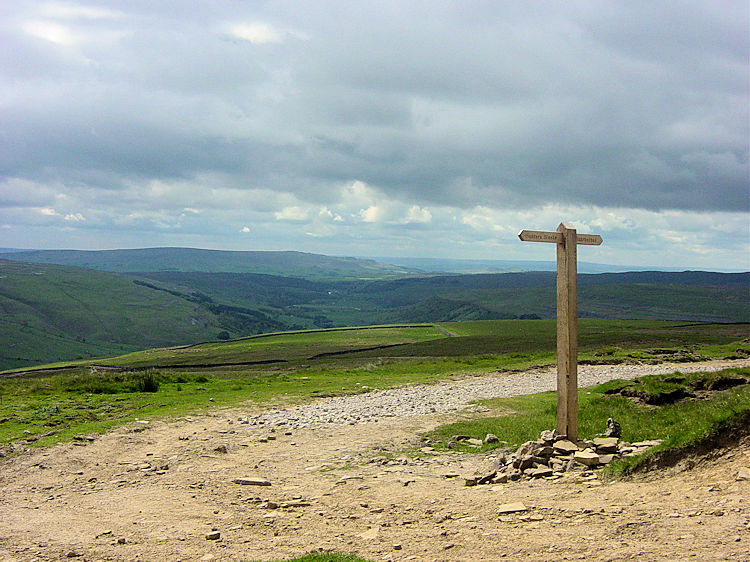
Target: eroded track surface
[{"x": 154, "y": 491}]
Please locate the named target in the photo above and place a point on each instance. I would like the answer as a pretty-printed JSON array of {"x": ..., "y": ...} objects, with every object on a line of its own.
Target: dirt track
[{"x": 153, "y": 491}]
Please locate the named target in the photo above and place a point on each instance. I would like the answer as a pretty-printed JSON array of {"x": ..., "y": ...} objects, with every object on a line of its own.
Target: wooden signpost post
[{"x": 567, "y": 241}]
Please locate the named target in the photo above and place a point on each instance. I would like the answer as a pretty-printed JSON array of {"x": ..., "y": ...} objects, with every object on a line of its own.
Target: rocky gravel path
[
  {"x": 450, "y": 396},
  {"x": 183, "y": 489}
]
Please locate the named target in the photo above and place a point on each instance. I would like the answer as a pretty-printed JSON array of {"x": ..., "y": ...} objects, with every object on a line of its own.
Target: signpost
[{"x": 567, "y": 240}]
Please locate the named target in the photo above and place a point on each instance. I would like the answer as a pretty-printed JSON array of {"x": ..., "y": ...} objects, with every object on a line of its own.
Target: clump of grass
[
  {"x": 147, "y": 382},
  {"x": 95, "y": 382},
  {"x": 326, "y": 557},
  {"x": 681, "y": 425}
]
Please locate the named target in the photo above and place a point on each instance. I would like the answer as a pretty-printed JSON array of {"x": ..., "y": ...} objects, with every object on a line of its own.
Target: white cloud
[
  {"x": 49, "y": 212},
  {"x": 294, "y": 214},
  {"x": 482, "y": 219},
  {"x": 417, "y": 215},
  {"x": 245, "y": 229},
  {"x": 75, "y": 217},
  {"x": 51, "y": 31},
  {"x": 373, "y": 213},
  {"x": 256, "y": 32},
  {"x": 326, "y": 213}
]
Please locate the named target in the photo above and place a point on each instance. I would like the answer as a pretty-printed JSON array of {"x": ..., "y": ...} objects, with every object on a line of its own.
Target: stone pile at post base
[{"x": 552, "y": 455}]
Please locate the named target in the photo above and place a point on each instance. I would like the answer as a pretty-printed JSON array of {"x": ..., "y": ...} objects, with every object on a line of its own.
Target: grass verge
[
  {"x": 326, "y": 557},
  {"x": 697, "y": 417}
]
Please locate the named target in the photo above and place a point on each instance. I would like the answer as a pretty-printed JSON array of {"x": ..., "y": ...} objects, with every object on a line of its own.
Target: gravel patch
[{"x": 451, "y": 396}]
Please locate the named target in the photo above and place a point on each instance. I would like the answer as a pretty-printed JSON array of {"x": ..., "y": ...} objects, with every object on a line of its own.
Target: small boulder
[
  {"x": 557, "y": 464},
  {"x": 529, "y": 448},
  {"x": 587, "y": 457},
  {"x": 576, "y": 466},
  {"x": 545, "y": 452},
  {"x": 491, "y": 438},
  {"x": 565, "y": 447},
  {"x": 540, "y": 472},
  {"x": 515, "y": 507},
  {"x": 514, "y": 475},
  {"x": 606, "y": 459},
  {"x": 540, "y": 461},
  {"x": 487, "y": 478},
  {"x": 522, "y": 463},
  {"x": 548, "y": 436},
  {"x": 606, "y": 444}
]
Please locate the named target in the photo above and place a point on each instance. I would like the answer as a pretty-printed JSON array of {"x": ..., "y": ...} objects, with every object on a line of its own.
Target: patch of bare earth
[{"x": 154, "y": 491}]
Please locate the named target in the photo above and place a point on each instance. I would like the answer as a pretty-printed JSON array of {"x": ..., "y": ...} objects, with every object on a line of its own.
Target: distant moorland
[
  {"x": 298, "y": 264},
  {"x": 57, "y": 312}
]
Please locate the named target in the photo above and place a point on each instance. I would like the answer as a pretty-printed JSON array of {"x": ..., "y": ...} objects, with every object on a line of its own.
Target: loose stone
[
  {"x": 587, "y": 457},
  {"x": 252, "y": 481},
  {"x": 565, "y": 447},
  {"x": 515, "y": 507},
  {"x": 606, "y": 444}
]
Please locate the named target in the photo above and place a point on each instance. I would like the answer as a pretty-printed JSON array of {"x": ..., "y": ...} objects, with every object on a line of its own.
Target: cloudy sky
[{"x": 431, "y": 129}]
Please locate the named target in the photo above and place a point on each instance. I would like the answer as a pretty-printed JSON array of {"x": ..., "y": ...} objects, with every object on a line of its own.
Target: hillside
[
  {"x": 295, "y": 264},
  {"x": 690, "y": 296},
  {"x": 53, "y": 312}
]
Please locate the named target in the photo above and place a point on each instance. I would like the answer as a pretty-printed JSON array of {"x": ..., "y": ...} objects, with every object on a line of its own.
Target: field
[
  {"x": 57, "y": 313},
  {"x": 61, "y": 400}
]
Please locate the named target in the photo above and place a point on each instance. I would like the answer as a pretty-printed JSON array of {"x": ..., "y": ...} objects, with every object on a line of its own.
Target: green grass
[
  {"x": 283, "y": 347},
  {"x": 681, "y": 425},
  {"x": 326, "y": 557},
  {"x": 304, "y": 365},
  {"x": 506, "y": 343},
  {"x": 54, "y": 312}
]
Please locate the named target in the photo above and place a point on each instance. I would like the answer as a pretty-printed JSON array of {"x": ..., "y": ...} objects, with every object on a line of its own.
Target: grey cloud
[{"x": 617, "y": 104}]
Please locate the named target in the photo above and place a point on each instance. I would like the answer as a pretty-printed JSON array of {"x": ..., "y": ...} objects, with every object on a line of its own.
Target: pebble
[
  {"x": 252, "y": 481},
  {"x": 445, "y": 396}
]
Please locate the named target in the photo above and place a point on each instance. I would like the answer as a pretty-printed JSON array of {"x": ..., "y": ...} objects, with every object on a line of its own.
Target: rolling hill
[
  {"x": 53, "y": 312},
  {"x": 294, "y": 264},
  {"x": 690, "y": 296}
]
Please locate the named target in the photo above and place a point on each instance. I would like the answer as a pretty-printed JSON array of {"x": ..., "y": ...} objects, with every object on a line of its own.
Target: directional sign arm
[
  {"x": 540, "y": 236},
  {"x": 557, "y": 237},
  {"x": 589, "y": 239}
]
